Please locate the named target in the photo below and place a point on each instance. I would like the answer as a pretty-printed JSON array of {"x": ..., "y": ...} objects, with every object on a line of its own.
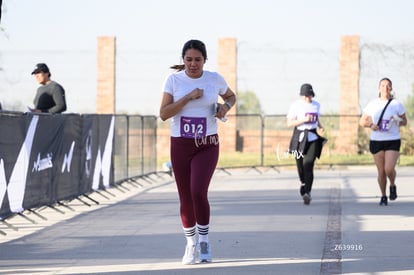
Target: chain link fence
[
  {"x": 135, "y": 150},
  {"x": 262, "y": 141}
]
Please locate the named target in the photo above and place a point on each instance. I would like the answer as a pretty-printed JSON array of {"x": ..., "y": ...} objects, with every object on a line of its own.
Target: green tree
[
  {"x": 409, "y": 106},
  {"x": 248, "y": 103},
  {"x": 407, "y": 140}
]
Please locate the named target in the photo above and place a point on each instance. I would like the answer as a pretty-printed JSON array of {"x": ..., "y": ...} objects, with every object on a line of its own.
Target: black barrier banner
[
  {"x": 54, "y": 171},
  {"x": 104, "y": 154},
  {"x": 68, "y": 159},
  {"x": 48, "y": 158},
  {"x": 16, "y": 139},
  {"x": 89, "y": 145},
  {"x": 97, "y": 138},
  {"x": 46, "y": 143}
]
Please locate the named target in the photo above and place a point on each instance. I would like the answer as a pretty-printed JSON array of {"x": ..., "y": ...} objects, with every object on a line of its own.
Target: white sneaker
[
  {"x": 307, "y": 198},
  {"x": 205, "y": 252},
  {"x": 189, "y": 254}
]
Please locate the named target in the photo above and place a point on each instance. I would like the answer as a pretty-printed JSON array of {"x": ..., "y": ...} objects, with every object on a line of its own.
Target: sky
[{"x": 281, "y": 44}]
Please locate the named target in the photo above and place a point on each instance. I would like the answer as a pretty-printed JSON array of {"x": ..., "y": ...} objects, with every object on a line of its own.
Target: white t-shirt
[
  {"x": 389, "y": 128},
  {"x": 299, "y": 110},
  {"x": 196, "y": 118}
]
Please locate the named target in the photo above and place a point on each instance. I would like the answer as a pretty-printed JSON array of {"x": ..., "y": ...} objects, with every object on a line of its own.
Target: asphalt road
[{"x": 259, "y": 225}]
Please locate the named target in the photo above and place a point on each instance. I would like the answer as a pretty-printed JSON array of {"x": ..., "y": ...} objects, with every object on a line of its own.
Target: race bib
[
  {"x": 384, "y": 125},
  {"x": 314, "y": 117},
  {"x": 193, "y": 127}
]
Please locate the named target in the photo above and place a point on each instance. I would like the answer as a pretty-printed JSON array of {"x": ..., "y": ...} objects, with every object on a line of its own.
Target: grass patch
[{"x": 237, "y": 159}]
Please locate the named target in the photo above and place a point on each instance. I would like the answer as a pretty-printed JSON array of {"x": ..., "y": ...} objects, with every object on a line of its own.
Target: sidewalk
[{"x": 259, "y": 225}]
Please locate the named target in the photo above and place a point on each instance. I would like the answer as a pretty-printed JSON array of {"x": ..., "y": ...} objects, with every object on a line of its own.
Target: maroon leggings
[{"x": 193, "y": 162}]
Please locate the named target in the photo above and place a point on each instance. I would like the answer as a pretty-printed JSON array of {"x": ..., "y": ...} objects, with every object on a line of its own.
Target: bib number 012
[{"x": 193, "y": 127}]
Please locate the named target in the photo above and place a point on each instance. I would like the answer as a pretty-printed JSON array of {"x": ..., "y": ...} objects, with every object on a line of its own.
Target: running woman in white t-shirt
[
  {"x": 385, "y": 139},
  {"x": 189, "y": 97}
]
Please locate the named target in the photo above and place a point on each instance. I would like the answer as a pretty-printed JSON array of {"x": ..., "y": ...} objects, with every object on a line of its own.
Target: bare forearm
[
  {"x": 230, "y": 101},
  {"x": 169, "y": 110}
]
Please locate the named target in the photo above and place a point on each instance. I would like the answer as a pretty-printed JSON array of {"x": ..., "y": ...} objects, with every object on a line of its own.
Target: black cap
[
  {"x": 41, "y": 67},
  {"x": 306, "y": 90}
]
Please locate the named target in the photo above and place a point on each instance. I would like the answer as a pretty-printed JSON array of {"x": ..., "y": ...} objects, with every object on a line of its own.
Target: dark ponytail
[{"x": 178, "y": 67}]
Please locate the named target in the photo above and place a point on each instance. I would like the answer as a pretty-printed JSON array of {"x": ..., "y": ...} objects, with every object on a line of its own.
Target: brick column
[
  {"x": 105, "y": 96},
  {"x": 227, "y": 67},
  {"x": 349, "y": 97}
]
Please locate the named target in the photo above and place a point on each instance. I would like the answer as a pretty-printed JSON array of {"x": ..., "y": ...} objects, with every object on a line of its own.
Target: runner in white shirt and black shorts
[{"x": 385, "y": 139}]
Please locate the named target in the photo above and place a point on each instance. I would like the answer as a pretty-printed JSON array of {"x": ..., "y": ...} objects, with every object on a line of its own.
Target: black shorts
[{"x": 384, "y": 145}]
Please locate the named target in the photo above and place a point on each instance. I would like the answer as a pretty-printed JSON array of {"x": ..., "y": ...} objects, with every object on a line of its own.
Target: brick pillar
[
  {"x": 105, "y": 96},
  {"x": 227, "y": 67},
  {"x": 349, "y": 97}
]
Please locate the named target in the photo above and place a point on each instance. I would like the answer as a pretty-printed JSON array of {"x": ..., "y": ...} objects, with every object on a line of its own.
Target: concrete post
[
  {"x": 349, "y": 97},
  {"x": 105, "y": 96},
  {"x": 227, "y": 67}
]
